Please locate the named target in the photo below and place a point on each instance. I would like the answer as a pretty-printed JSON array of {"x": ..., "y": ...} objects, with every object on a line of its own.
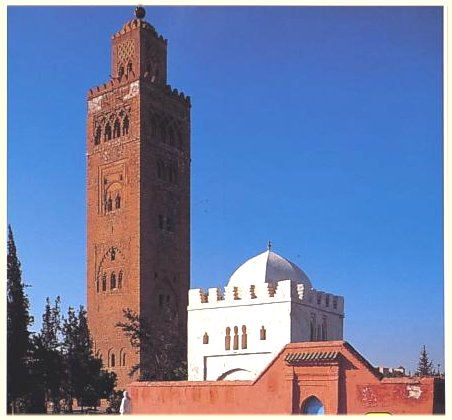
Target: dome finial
[
  {"x": 269, "y": 245},
  {"x": 140, "y": 13}
]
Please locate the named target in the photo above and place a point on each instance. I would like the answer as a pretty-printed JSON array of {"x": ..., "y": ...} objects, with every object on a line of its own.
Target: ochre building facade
[{"x": 138, "y": 195}]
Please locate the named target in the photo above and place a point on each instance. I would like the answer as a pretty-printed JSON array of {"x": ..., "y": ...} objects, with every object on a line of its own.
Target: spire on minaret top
[
  {"x": 269, "y": 245},
  {"x": 140, "y": 13}
]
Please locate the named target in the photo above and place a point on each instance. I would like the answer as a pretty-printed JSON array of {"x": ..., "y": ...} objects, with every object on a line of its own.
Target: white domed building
[{"x": 268, "y": 302}]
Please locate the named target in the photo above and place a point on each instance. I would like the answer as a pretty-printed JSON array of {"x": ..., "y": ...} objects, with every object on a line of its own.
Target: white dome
[{"x": 268, "y": 267}]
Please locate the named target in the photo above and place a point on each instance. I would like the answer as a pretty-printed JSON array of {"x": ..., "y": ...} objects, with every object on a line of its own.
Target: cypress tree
[
  {"x": 18, "y": 336},
  {"x": 47, "y": 367},
  {"x": 425, "y": 365}
]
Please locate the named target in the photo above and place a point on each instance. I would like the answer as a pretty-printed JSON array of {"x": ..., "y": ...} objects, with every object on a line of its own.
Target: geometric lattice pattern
[{"x": 125, "y": 50}]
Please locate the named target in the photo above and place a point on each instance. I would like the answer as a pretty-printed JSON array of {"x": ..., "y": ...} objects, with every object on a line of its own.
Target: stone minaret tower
[{"x": 138, "y": 195}]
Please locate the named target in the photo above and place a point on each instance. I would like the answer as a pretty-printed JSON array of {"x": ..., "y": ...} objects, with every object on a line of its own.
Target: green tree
[
  {"x": 162, "y": 353},
  {"x": 425, "y": 365},
  {"x": 85, "y": 380},
  {"x": 18, "y": 336},
  {"x": 47, "y": 366}
]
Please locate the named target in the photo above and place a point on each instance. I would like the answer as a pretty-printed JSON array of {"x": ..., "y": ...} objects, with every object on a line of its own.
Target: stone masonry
[{"x": 138, "y": 195}]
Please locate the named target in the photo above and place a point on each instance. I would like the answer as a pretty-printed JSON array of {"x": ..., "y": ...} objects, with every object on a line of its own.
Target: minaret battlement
[
  {"x": 137, "y": 24},
  {"x": 284, "y": 290},
  {"x": 131, "y": 78}
]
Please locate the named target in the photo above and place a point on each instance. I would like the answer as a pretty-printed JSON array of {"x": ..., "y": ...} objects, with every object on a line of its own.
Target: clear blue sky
[{"x": 317, "y": 128}]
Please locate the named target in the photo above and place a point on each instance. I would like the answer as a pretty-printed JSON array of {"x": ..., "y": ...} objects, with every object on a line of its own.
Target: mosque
[
  {"x": 267, "y": 303},
  {"x": 269, "y": 343}
]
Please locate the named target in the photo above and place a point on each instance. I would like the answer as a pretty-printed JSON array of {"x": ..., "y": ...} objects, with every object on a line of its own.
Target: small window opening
[
  {"x": 109, "y": 204},
  {"x": 104, "y": 282},
  {"x": 113, "y": 254},
  {"x": 116, "y": 129},
  {"x": 125, "y": 126},
  {"x": 244, "y": 337},
  {"x": 236, "y": 339},
  {"x": 129, "y": 67},
  {"x": 120, "y": 280},
  {"x": 97, "y": 136},
  {"x": 227, "y": 339},
  {"x": 107, "y": 132},
  {"x": 97, "y": 286},
  {"x": 113, "y": 281},
  {"x": 118, "y": 201},
  {"x": 163, "y": 134},
  {"x": 205, "y": 338},
  {"x": 121, "y": 71},
  {"x": 123, "y": 359},
  {"x": 263, "y": 333},
  {"x": 113, "y": 360}
]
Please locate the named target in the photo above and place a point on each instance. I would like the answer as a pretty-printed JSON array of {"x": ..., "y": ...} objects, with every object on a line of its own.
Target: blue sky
[{"x": 318, "y": 128}]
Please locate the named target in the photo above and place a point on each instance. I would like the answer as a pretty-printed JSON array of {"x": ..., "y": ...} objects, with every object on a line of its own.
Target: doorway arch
[{"x": 313, "y": 405}]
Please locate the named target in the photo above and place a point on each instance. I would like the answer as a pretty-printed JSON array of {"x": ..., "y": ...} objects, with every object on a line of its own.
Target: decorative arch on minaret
[{"x": 111, "y": 272}]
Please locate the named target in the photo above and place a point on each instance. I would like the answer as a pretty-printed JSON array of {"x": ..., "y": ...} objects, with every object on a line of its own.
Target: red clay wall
[{"x": 345, "y": 385}]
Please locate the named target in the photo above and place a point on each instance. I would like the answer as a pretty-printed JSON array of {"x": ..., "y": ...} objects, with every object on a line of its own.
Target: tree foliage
[
  {"x": 158, "y": 344},
  {"x": 425, "y": 365},
  {"x": 85, "y": 380},
  {"x": 57, "y": 362},
  {"x": 47, "y": 361},
  {"x": 18, "y": 336}
]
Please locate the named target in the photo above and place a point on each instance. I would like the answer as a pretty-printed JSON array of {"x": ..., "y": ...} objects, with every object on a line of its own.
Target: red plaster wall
[{"x": 347, "y": 385}]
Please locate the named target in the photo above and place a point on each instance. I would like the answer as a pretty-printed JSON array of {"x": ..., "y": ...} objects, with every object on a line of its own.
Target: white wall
[{"x": 284, "y": 313}]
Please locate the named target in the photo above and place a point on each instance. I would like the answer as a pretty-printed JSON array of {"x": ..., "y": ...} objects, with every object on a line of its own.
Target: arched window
[
  {"x": 118, "y": 201},
  {"x": 263, "y": 333},
  {"x": 112, "y": 360},
  {"x": 125, "y": 125},
  {"x": 129, "y": 67},
  {"x": 312, "y": 327},
  {"x": 123, "y": 359},
  {"x": 112, "y": 254},
  {"x": 97, "y": 286},
  {"x": 107, "y": 132},
  {"x": 313, "y": 406},
  {"x": 235, "y": 346},
  {"x": 97, "y": 135},
  {"x": 104, "y": 282},
  {"x": 116, "y": 128},
  {"x": 121, "y": 71},
  {"x": 171, "y": 136},
  {"x": 113, "y": 281},
  {"x": 120, "y": 280},
  {"x": 205, "y": 338},
  {"x": 324, "y": 331},
  {"x": 244, "y": 337},
  {"x": 163, "y": 133},
  {"x": 109, "y": 204},
  {"x": 227, "y": 339}
]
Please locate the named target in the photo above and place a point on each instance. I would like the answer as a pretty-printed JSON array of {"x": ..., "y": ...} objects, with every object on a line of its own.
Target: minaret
[{"x": 138, "y": 195}]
